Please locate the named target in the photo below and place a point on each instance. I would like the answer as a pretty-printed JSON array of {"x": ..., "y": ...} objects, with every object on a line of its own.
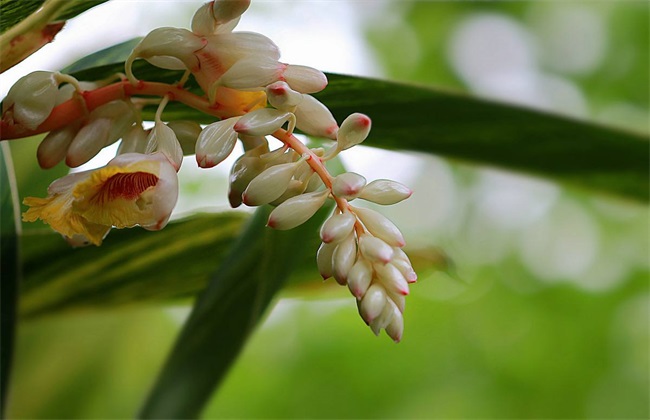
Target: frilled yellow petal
[
  {"x": 128, "y": 191},
  {"x": 56, "y": 210}
]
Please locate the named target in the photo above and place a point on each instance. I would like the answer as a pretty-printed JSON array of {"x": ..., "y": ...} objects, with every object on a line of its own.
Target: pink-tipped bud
[
  {"x": 282, "y": 97},
  {"x": 33, "y": 97},
  {"x": 297, "y": 210},
  {"x": 391, "y": 278},
  {"x": 252, "y": 73},
  {"x": 343, "y": 258},
  {"x": 373, "y": 302},
  {"x": 162, "y": 139},
  {"x": 269, "y": 185},
  {"x": 187, "y": 132},
  {"x": 216, "y": 142},
  {"x": 324, "y": 260},
  {"x": 359, "y": 277},
  {"x": 380, "y": 226},
  {"x": 337, "y": 227},
  {"x": 315, "y": 119},
  {"x": 353, "y": 131},
  {"x": 375, "y": 249},
  {"x": 348, "y": 185},
  {"x": 264, "y": 121},
  {"x": 383, "y": 319},
  {"x": 395, "y": 327},
  {"x": 55, "y": 145},
  {"x": 305, "y": 79},
  {"x": 385, "y": 192},
  {"x": 226, "y": 10}
]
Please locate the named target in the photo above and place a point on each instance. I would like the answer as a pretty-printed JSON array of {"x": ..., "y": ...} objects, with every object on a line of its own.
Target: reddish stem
[{"x": 82, "y": 104}]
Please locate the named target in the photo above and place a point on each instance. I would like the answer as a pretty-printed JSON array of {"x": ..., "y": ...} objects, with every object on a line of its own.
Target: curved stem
[{"x": 73, "y": 109}]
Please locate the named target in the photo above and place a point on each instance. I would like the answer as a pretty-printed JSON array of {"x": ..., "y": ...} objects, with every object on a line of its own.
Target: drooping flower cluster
[{"x": 253, "y": 95}]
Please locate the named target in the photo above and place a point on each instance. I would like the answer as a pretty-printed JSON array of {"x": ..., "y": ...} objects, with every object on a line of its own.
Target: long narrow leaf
[
  {"x": 225, "y": 314},
  {"x": 11, "y": 273},
  {"x": 473, "y": 130},
  {"x": 14, "y": 11}
]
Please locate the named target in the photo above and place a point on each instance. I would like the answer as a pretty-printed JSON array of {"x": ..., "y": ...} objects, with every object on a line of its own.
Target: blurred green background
[{"x": 546, "y": 313}]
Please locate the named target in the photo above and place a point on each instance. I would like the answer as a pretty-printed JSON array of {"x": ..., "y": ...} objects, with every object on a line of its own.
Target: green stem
[{"x": 41, "y": 17}]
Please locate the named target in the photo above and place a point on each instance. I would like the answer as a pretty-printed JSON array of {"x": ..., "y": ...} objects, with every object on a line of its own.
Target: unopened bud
[
  {"x": 343, "y": 258},
  {"x": 134, "y": 140},
  {"x": 353, "y": 131},
  {"x": 404, "y": 266},
  {"x": 315, "y": 119},
  {"x": 162, "y": 139},
  {"x": 324, "y": 260},
  {"x": 348, "y": 185},
  {"x": 55, "y": 145},
  {"x": 187, "y": 132},
  {"x": 244, "y": 170},
  {"x": 297, "y": 210},
  {"x": 269, "y": 185},
  {"x": 33, "y": 97},
  {"x": 89, "y": 140},
  {"x": 395, "y": 328},
  {"x": 305, "y": 79},
  {"x": 375, "y": 249},
  {"x": 203, "y": 22},
  {"x": 282, "y": 97},
  {"x": 385, "y": 192},
  {"x": 264, "y": 121},
  {"x": 373, "y": 303},
  {"x": 380, "y": 226},
  {"x": 383, "y": 319},
  {"x": 359, "y": 277},
  {"x": 337, "y": 227},
  {"x": 392, "y": 279},
  {"x": 252, "y": 73},
  {"x": 216, "y": 142}
]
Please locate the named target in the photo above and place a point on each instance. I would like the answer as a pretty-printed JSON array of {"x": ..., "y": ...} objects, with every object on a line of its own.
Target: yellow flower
[{"x": 133, "y": 189}]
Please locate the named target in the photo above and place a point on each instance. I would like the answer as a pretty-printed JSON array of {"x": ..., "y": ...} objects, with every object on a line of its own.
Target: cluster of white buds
[{"x": 254, "y": 95}]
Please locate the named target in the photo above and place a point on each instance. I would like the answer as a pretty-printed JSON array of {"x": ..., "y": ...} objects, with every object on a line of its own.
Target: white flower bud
[
  {"x": 216, "y": 142},
  {"x": 348, "y": 185},
  {"x": 294, "y": 188},
  {"x": 395, "y": 327},
  {"x": 33, "y": 97},
  {"x": 187, "y": 132},
  {"x": 337, "y": 227},
  {"x": 384, "y": 318},
  {"x": 241, "y": 174},
  {"x": 404, "y": 266},
  {"x": 315, "y": 119},
  {"x": 55, "y": 145},
  {"x": 232, "y": 47},
  {"x": 324, "y": 260},
  {"x": 121, "y": 115},
  {"x": 380, "y": 226},
  {"x": 391, "y": 278},
  {"x": 384, "y": 191},
  {"x": 297, "y": 210},
  {"x": 373, "y": 302},
  {"x": 203, "y": 22},
  {"x": 282, "y": 97},
  {"x": 359, "y": 277},
  {"x": 375, "y": 249},
  {"x": 134, "y": 140},
  {"x": 264, "y": 121},
  {"x": 305, "y": 79},
  {"x": 252, "y": 73},
  {"x": 162, "y": 139},
  {"x": 90, "y": 139},
  {"x": 353, "y": 131},
  {"x": 226, "y": 10},
  {"x": 343, "y": 258},
  {"x": 167, "y": 48},
  {"x": 269, "y": 185}
]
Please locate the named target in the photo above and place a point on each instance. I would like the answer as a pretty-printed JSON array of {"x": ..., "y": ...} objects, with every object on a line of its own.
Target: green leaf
[
  {"x": 114, "y": 54},
  {"x": 10, "y": 263},
  {"x": 14, "y": 11},
  {"x": 133, "y": 265},
  {"x": 468, "y": 129},
  {"x": 226, "y": 313}
]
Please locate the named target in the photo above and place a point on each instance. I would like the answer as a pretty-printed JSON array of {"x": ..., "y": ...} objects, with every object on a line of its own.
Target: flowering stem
[{"x": 73, "y": 109}]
